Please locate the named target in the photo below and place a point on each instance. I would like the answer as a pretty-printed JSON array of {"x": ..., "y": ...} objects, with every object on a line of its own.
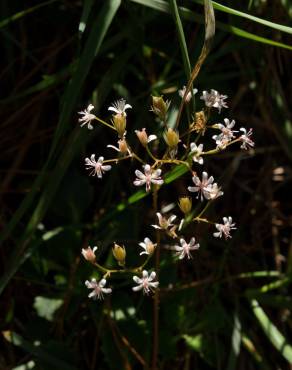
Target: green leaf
[
  {"x": 272, "y": 333},
  {"x": 46, "y": 307},
  {"x": 38, "y": 351}
]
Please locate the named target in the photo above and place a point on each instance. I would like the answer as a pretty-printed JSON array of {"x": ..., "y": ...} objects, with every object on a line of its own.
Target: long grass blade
[
  {"x": 25, "y": 12},
  {"x": 96, "y": 36},
  {"x": 209, "y": 34},
  {"x": 226, "y": 9},
  {"x": 181, "y": 38},
  {"x": 272, "y": 333},
  {"x": 235, "y": 343},
  {"x": 193, "y": 17}
]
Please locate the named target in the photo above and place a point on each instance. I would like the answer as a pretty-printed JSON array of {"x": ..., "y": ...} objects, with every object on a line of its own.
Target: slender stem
[
  {"x": 151, "y": 155},
  {"x": 133, "y": 270},
  {"x": 117, "y": 159},
  {"x": 217, "y": 150},
  {"x": 105, "y": 123},
  {"x": 134, "y": 155},
  {"x": 199, "y": 219},
  {"x": 146, "y": 261},
  {"x": 203, "y": 210},
  {"x": 156, "y": 296}
]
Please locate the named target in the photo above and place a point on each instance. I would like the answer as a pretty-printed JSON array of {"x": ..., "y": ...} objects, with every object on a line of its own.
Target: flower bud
[
  {"x": 200, "y": 122},
  {"x": 89, "y": 254},
  {"x": 119, "y": 254},
  {"x": 119, "y": 121},
  {"x": 171, "y": 138},
  {"x": 123, "y": 146},
  {"x": 160, "y": 107},
  {"x": 142, "y": 136},
  {"x": 185, "y": 204}
]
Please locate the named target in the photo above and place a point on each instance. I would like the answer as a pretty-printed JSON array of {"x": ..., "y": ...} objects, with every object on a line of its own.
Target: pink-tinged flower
[
  {"x": 214, "y": 99},
  {"x": 149, "y": 176},
  {"x": 224, "y": 229},
  {"x": 87, "y": 117},
  {"x": 203, "y": 187},
  {"x": 98, "y": 288},
  {"x": 196, "y": 152},
  {"x": 97, "y": 168},
  {"x": 215, "y": 191},
  {"x": 146, "y": 282},
  {"x": 184, "y": 250},
  {"x": 120, "y": 107},
  {"x": 227, "y": 134},
  {"x": 245, "y": 138},
  {"x": 89, "y": 254},
  {"x": 122, "y": 147},
  {"x": 181, "y": 93},
  {"x": 148, "y": 246},
  {"x": 164, "y": 223},
  {"x": 221, "y": 141},
  {"x": 144, "y": 138}
]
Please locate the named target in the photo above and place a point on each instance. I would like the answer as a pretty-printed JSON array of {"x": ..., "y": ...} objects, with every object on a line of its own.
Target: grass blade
[
  {"x": 209, "y": 34},
  {"x": 273, "y": 334},
  {"x": 226, "y": 9},
  {"x": 23, "y": 13},
  {"x": 181, "y": 38},
  {"x": 193, "y": 17},
  {"x": 96, "y": 36},
  {"x": 235, "y": 343}
]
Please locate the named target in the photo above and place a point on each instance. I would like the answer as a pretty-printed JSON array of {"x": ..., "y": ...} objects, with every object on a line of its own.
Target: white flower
[
  {"x": 184, "y": 250},
  {"x": 146, "y": 282},
  {"x": 224, "y": 229},
  {"x": 221, "y": 141},
  {"x": 149, "y": 176},
  {"x": 97, "y": 168},
  {"x": 245, "y": 138},
  {"x": 204, "y": 187},
  {"x": 215, "y": 191},
  {"x": 120, "y": 107},
  {"x": 227, "y": 134},
  {"x": 98, "y": 288},
  {"x": 214, "y": 99},
  {"x": 89, "y": 254},
  {"x": 181, "y": 93},
  {"x": 148, "y": 246},
  {"x": 196, "y": 152},
  {"x": 87, "y": 117},
  {"x": 164, "y": 223}
]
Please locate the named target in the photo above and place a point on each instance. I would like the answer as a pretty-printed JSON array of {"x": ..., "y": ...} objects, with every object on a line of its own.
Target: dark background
[{"x": 51, "y": 208}]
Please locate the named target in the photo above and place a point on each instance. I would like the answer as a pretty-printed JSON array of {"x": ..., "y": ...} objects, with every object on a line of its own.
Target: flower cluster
[{"x": 171, "y": 149}]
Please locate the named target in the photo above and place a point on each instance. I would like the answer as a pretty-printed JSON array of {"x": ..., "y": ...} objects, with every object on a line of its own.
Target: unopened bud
[
  {"x": 120, "y": 254},
  {"x": 123, "y": 146},
  {"x": 119, "y": 121},
  {"x": 160, "y": 107},
  {"x": 89, "y": 254},
  {"x": 200, "y": 122},
  {"x": 185, "y": 204},
  {"x": 142, "y": 136},
  {"x": 171, "y": 138}
]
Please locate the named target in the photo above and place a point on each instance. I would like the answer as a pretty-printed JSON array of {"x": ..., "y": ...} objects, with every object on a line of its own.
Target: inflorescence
[{"x": 178, "y": 149}]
